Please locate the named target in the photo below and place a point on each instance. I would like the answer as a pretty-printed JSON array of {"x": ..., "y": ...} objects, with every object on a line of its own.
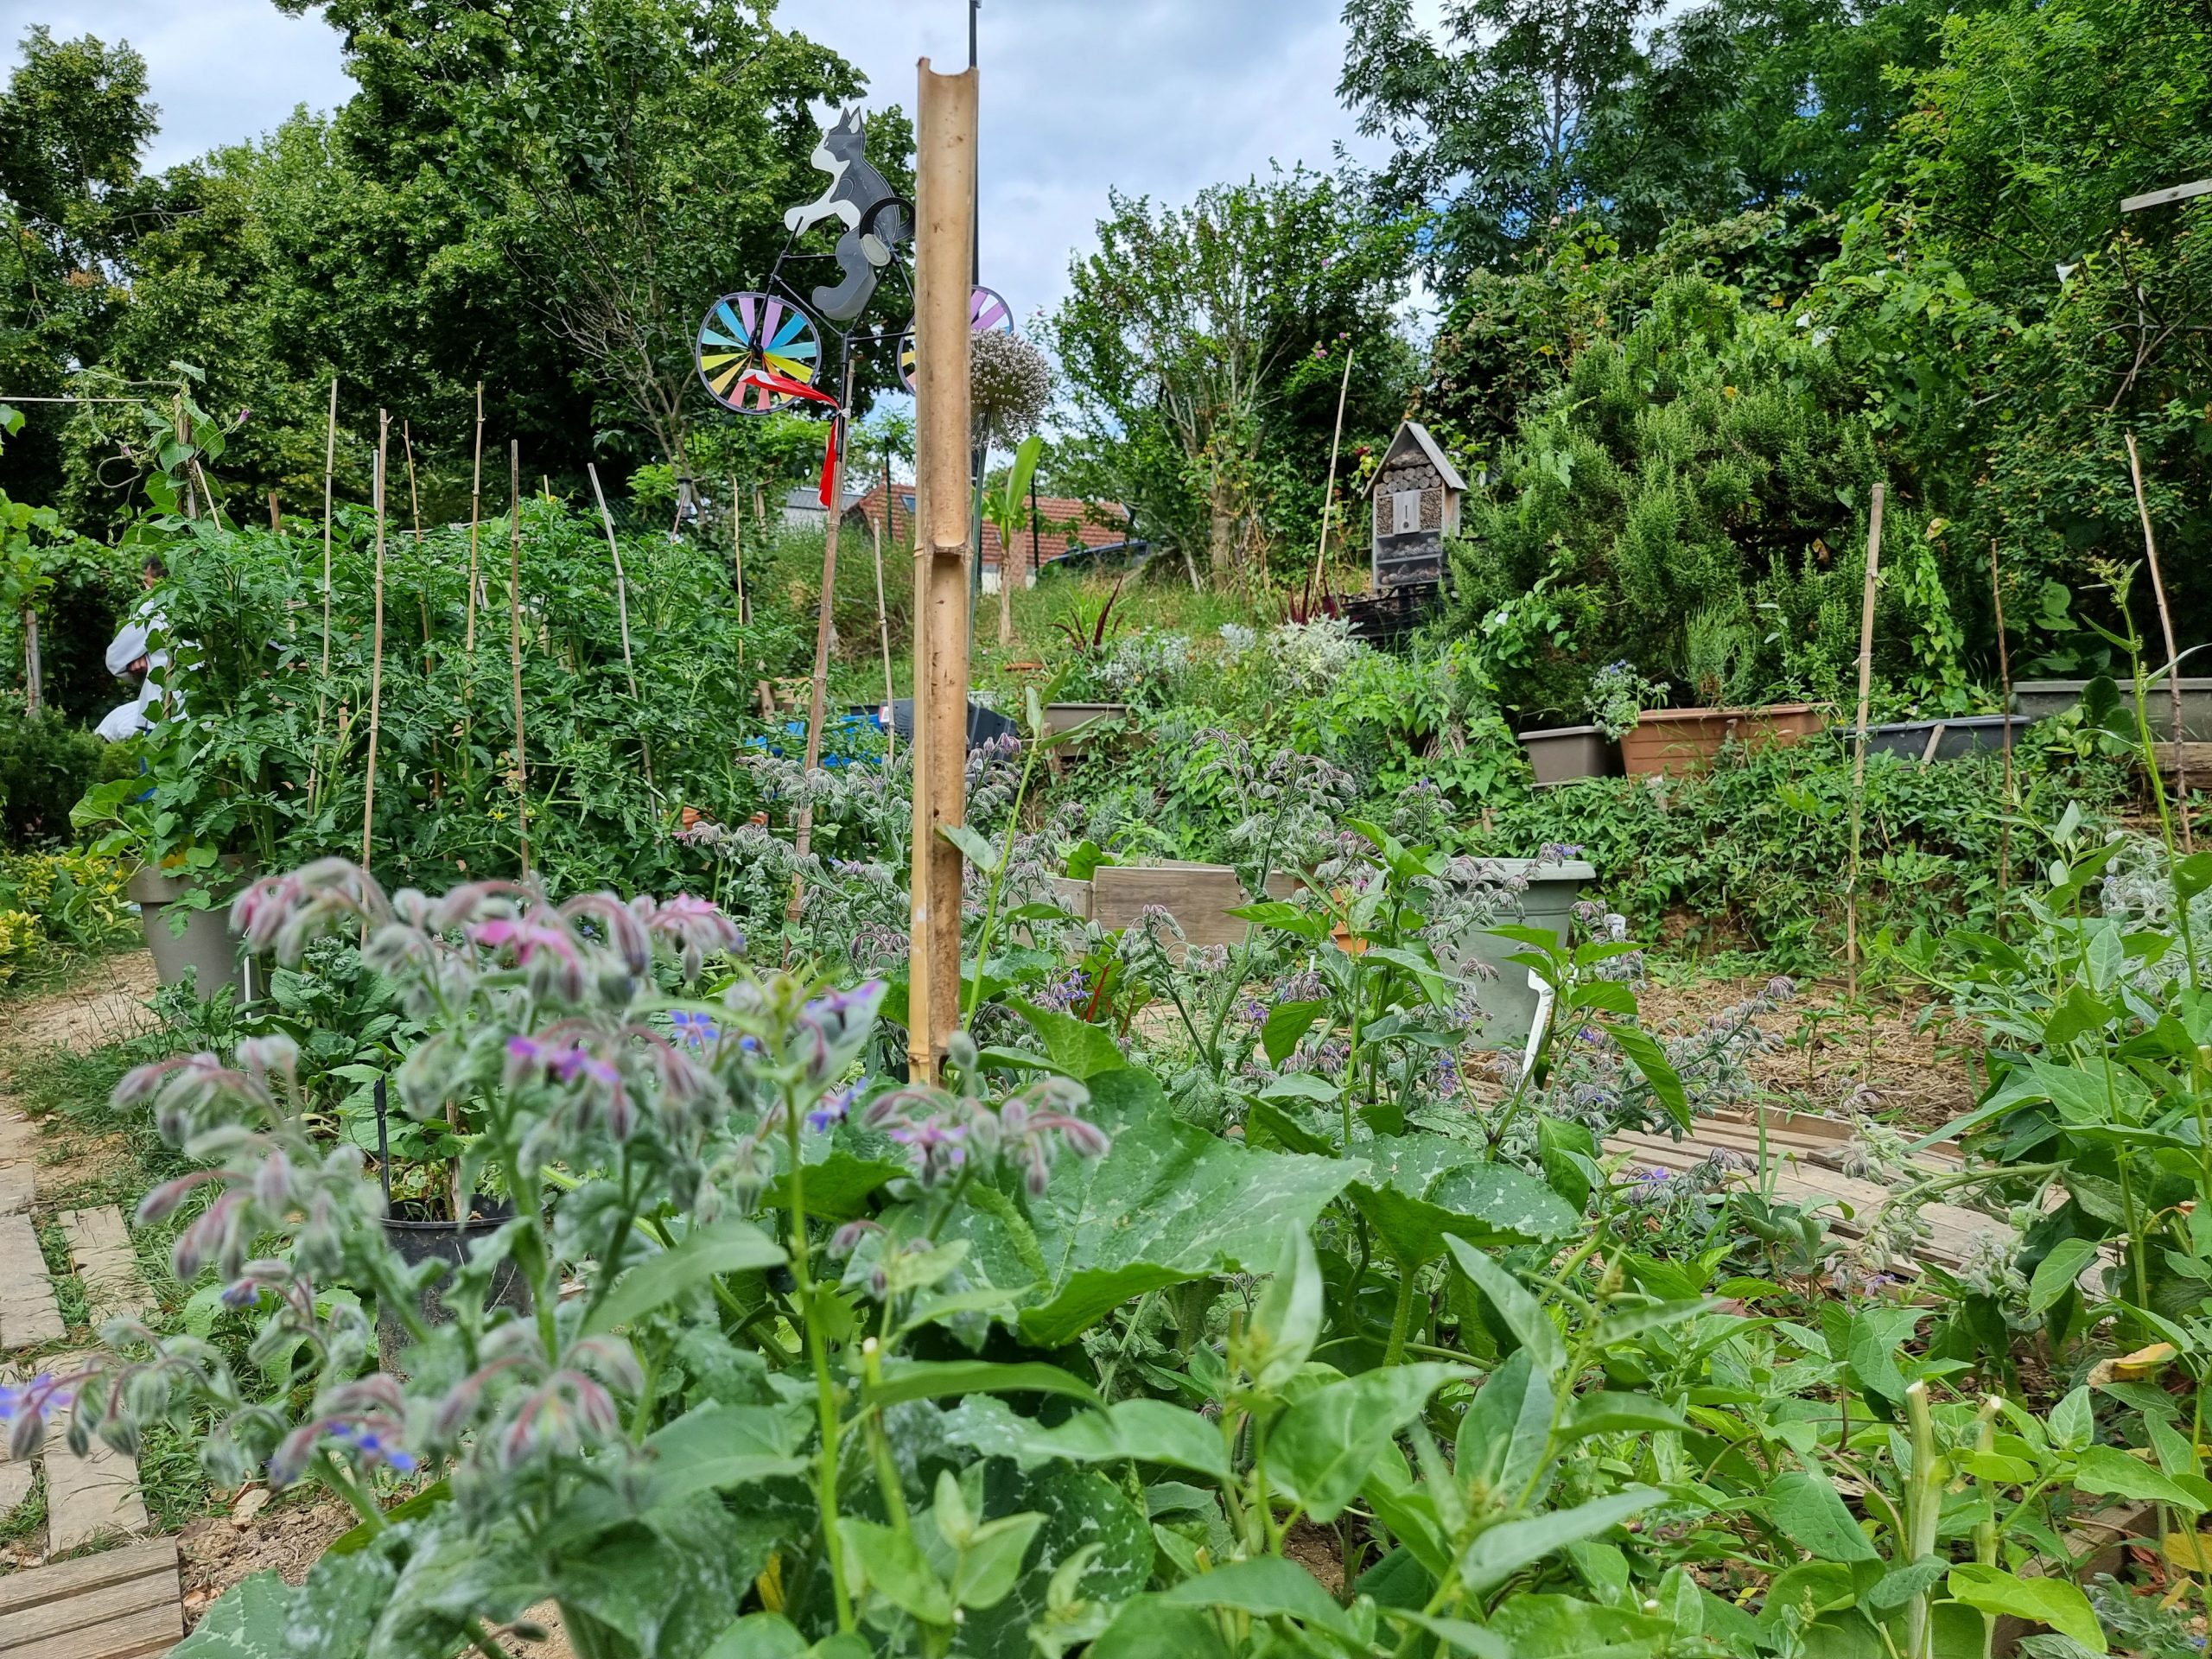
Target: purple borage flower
[
  {"x": 695, "y": 1030},
  {"x": 831, "y": 1109}
]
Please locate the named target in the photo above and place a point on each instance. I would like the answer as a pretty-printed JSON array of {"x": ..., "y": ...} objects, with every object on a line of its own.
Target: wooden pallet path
[
  {"x": 1803, "y": 1154},
  {"x": 121, "y": 1604}
]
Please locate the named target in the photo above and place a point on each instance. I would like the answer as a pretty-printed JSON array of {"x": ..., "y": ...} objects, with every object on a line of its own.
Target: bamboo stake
[
  {"x": 621, "y": 611},
  {"x": 275, "y": 514},
  {"x": 883, "y": 633},
  {"x": 818, "y": 694},
  {"x": 376, "y": 648},
  {"x": 1329, "y": 493},
  {"x": 323, "y": 691},
  {"x": 475, "y": 518},
  {"x": 2011, "y": 800},
  {"x": 1859, "y": 743},
  {"x": 737, "y": 555},
  {"x": 414, "y": 510},
  {"x": 945, "y": 200},
  {"x": 34, "y": 669},
  {"x": 2173, "y": 652},
  {"x": 514, "y": 643}
]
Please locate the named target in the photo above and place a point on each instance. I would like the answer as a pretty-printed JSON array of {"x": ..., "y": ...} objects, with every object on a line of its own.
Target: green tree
[{"x": 1180, "y": 335}]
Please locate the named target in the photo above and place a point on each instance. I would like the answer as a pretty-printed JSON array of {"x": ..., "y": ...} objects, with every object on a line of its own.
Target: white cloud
[{"x": 1155, "y": 98}]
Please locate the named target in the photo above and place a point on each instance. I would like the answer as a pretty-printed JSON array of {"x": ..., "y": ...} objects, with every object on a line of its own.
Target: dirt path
[{"x": 106, "y": 1005}]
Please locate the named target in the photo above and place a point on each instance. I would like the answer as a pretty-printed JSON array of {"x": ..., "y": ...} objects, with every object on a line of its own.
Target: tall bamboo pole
[
  {"x": 944, "y": 214},
  {"x": 415, "y": 513},
  {"x": 475, "y": 518},
  {"x": 376, "y": 648},
  {"x": 1329, "y": 493},
  {"x": 883, "y": 627},
  {"x": 818, "y": 694},
  {"x": 514, "y": 643},
  {"x": 622, "y": 615},
  {"x": 322, "y": 689},
  {"x": 2004, "y": 685},
  {"x": 1859, "y": 739},
  {"x": 737, "y": 556},
  {"x": 2173, "y": 652}
]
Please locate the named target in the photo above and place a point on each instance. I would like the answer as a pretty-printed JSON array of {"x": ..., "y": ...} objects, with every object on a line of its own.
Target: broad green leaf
[
  {"x": 719, "y": 1447},
  {"x": 992, "y": 1560},
  {"x": 1497, "y": 1553},
  {"x": 977, "y": 849},
  {"x": 723, "y": 1247},
  {"x": 2110, "y": 1472},
  {"x": 1286, "y": 1322},
  {"x": 917, "y": 1379},
  {"x": 1301, "y": 1085},
  {"x": 1504, "y": 1435},
  {"x": 1564, "y": 1625},
  {"x": 1149, "y": 1627},
  {"x": 1267, "y": 1586},
  {"x": 1078, "y": 1047},
  {"x": 2056, "y": 1274},
  {"x": 1324, "y": 1446},
  {"x": 1644, "y": 1054},
  {"x": 263, "y": 1618},
  {"x": 1523, "y": 1315},
  {"x": 759, "y": 1636},
  {"x": 890, "y": 1562},
  {"x": 1805, "y": 1506},
  {"x": 1605, "y": 1412},
  {"x": 1901, "y": 1584},
  {"x": 1423, "y": 1186},
  {"x": 1286, "y": 1028},
  {"x": 2046, "y": 1601},
  {"x": 1457, "y": 1636},
  {"x": 1168, "y": 1202},
  {"x": 1141, "y": 1430},
  {"x": 2073, "y": 1421}
]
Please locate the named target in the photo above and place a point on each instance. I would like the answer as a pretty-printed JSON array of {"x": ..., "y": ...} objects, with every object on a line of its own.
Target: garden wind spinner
[{"x": 762, "y": 350}]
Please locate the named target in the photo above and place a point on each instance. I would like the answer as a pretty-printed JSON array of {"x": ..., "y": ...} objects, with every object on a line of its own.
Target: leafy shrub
[{"x": 46, "y": 763}]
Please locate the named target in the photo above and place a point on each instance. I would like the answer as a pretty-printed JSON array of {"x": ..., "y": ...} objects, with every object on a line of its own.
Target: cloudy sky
[{"x": 1154, "y": 97}]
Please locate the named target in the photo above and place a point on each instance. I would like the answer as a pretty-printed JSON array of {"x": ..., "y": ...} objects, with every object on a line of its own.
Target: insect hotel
[{"x": 1415, "y": 502}]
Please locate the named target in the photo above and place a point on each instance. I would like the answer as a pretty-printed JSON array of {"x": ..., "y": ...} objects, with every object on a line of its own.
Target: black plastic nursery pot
[{"x": 416, "y": 1236}]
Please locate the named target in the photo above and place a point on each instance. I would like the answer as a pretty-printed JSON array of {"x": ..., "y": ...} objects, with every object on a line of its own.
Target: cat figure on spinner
[{"x": 862, "y": 199}]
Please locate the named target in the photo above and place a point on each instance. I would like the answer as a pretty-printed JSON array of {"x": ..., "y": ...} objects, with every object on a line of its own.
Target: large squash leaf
[
  {"x": 1168, "y": 1202},
  {"x": 1421, "y": 1186}
]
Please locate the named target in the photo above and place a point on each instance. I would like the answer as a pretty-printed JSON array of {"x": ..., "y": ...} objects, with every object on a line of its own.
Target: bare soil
[
  {"x": 105, "y": 1006},
  {"x": 1900, "y": 1057}
]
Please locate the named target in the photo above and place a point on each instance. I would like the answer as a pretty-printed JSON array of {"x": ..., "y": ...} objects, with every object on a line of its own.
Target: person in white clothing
[{"x": 132, "y": 654}]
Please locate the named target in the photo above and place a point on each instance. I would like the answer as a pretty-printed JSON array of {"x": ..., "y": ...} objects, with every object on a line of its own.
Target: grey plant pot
[
  {"x": 1508, "y": 1001},
  {"x": 2039, "y": 698},
  {"x": 205, "y": 946},
  {"x": 1959, "y": 738},
  {"x": 1566, "y": 754}
]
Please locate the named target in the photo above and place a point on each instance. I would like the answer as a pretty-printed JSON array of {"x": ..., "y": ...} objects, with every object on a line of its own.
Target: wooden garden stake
[
  {"x": 883, "y": 633},
  {"x": 1329, "y": 493},
  {"x": 2004, "y": 685},
  {"x": 737, "y": 556},
  {"x": 2173, "y": 653},
  {"x": 621, "y": 603},
  {"x": 34, "y": 670},
  {"x": 415, "y": 513},
  {"x": 475, "y": 595},
  {"x": 376, "y": 647},
  {"x": 945, "y": 248},
  {"x": 275, "y": 514},
  {"x": 818, "y": 696},
  {"x": 329, "y": 464},
  {"x": 514, "y": 643},
  {"x": 1859, "y": 740}
]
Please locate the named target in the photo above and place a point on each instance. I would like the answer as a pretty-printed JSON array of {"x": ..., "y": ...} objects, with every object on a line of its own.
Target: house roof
[
  {"x": 1413, "y": 432},
  {"x": 1093, "y": 524},
  {"x": 807, "y": 498}
]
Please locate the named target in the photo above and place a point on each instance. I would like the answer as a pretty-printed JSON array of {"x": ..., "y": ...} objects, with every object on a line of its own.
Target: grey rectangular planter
[
  {"x": 1968, "y": 735},
  {"x": 205, "y": 945},
  {"x": 1508, "y": 1001},
  {"x": 2038, "y": 698},
  {"x": 1566, "y": 754}
]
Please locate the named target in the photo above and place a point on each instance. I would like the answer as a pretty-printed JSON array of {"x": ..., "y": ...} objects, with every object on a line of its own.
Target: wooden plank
[
  {"x": 29, "y": 1313},
  {"x": 87, "y": 1573},
  {"x": 1198, "y": 896},
  {"x": 133, "y": 1637},
  {"x": 94, "y": 1607},
  {"x": 2172, "y": 193},
  {"x": 100, "y": 1252}
]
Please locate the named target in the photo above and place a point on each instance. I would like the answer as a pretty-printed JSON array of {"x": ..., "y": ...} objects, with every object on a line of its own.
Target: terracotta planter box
[
  {"x": 1687, "y": 740},
  {"x": 1566, "y": 754}
]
